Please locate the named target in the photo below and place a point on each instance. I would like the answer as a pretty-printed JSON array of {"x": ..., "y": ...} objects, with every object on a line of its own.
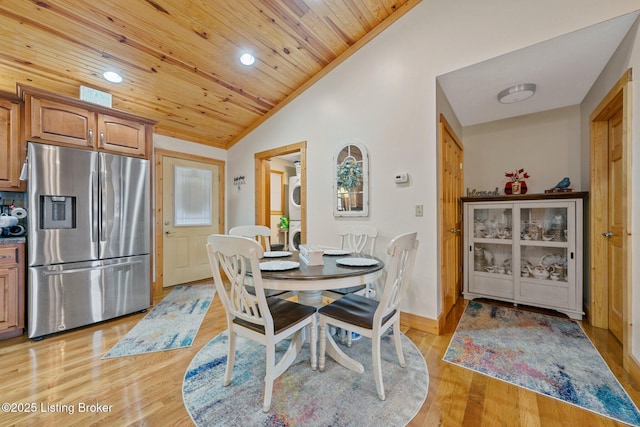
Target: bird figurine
[{"x": 562, "y": 185}]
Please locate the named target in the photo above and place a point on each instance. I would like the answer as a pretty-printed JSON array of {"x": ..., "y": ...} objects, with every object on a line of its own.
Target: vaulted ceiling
[{"x": 179, "y": 58}]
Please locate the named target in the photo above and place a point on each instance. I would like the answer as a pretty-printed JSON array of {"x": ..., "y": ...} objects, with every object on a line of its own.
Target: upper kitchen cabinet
[
  {"x": 121, "y": 135},
  {"x": 60, "y": 123},
  {"x": 11, "y": 154},
  {"x": 61, "y": 120}
]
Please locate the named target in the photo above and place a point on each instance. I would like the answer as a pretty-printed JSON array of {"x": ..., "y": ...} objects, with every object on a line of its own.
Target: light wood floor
[{"x": 66, "y": 369}]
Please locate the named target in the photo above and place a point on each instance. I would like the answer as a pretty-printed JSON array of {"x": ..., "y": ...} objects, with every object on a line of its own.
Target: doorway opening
[{"x": 263, "y": 203}]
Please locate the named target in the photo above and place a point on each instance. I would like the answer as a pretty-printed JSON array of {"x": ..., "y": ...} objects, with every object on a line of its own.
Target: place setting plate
[
  {"x": 336, "y": 252},
  {"x": 278, "y": 265},
  {"x": 276, "y": 254},
  {"x": 357, "y": 262}
]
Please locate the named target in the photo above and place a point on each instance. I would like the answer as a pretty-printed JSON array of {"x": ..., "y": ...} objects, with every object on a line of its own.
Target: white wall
[
  {"x": 546, "y": 145},
  {"x": 180, "y": 145},
  {"x": 384, "y": 96},
  {"x": 627, "y": 56}
]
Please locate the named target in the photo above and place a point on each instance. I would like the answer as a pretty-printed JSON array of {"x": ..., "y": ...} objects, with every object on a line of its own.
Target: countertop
[{"x": 12, "y": 240}]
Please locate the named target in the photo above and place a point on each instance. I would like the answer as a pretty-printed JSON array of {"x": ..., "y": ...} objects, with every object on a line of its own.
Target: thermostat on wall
[{"x": 401, "y": 178}]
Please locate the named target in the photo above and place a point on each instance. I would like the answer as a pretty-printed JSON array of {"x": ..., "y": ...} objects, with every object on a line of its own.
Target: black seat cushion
[
  {"x": 267, "y": 292},
  {"x": 351, "y": 290},
  {"x": 285, "y": 314},
  {"x": 353, "y": 309}
]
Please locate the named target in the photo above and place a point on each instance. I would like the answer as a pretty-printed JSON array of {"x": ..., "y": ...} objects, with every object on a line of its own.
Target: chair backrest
[
  {"x": 358, "y": 238},
  {"x": 399, "y": 266},
  {"x": 261, "y": 233},
  {"x": 233, "y": 254}
]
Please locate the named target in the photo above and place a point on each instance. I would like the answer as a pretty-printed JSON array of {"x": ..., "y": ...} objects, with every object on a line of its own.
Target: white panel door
[{"x": 190, "y": 213}]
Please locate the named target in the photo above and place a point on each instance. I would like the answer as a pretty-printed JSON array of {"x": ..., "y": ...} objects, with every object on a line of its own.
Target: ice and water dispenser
[{"x": 57, "y": 212}]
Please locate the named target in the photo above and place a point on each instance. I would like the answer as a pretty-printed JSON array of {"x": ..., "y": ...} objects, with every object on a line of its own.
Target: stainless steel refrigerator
[{"x": 88, "y": 237}]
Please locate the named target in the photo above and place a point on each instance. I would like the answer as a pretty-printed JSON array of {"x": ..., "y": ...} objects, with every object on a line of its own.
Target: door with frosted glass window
[{"x": 191, "y": 212}]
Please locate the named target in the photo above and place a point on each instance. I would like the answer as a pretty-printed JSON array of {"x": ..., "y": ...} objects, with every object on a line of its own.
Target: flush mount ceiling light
[
  {"x": 112, "y": 76},
  {"x": 247, "y": 59},
  {"x": 517, "y": 93}
]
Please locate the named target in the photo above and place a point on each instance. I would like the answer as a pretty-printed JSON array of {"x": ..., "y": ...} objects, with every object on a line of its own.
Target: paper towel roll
[{"x": 19, "y": 213}]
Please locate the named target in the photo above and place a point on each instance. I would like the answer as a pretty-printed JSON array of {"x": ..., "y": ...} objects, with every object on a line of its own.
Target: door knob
[
  {"x": 608, "y": 234},
  {"x": 167, "y": 232},
  {"x": 455, "y": 230}
]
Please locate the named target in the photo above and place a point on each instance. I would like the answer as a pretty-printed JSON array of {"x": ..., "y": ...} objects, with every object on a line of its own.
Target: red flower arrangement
[
  {"x": 515, "y": 176},
  {"x": 518, "y": 178}
]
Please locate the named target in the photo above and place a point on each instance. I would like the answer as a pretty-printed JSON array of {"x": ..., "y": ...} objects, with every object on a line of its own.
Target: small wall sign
[
  {"x": 481, "y": 193},
  {"x": 95, "y": 96}
]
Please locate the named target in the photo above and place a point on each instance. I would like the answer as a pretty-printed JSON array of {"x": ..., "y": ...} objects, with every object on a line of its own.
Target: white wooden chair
[
  {"x": 358, "y": 238},
  {"x": 264, "y": 320},
  {"x": 260, "y": 233},
  {"x": 369, "y": 317}
]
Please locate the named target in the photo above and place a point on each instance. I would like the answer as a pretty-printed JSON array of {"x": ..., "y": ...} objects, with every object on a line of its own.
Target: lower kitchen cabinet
[
  {"x": 526, "y": 250},
  {"x": 12, "y": 294}
]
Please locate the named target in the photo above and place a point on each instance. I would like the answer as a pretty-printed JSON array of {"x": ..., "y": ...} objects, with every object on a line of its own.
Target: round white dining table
[{"x": 310, "y": 280}]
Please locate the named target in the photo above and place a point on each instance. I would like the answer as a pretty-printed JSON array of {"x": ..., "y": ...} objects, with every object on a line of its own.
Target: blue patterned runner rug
[
  {"x": 545, "y": 354},
  {"x": 171, "y": 324}
]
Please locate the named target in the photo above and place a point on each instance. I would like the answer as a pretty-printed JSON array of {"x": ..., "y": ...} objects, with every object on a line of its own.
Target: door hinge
[{"x": 460, "y": 165}]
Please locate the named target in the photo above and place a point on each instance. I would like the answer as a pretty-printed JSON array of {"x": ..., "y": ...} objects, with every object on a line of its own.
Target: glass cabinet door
[
  {"x": 546, "y": 253},
  {"x": 491, "y": 250},
  {"x": 544, "y": 238},
  {"x": 492, "y": 239},
  {"x": 547, "y": 224}
]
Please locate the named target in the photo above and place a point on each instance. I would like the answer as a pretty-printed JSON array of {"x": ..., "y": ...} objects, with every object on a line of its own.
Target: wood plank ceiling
[{"x": 179, "y": 58}]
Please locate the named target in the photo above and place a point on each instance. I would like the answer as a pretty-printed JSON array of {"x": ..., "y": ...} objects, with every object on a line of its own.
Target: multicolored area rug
[
  {"x": 302, "y": 397},
  {"x": 545, "y": 354},
  {"x": 171, "y": 324}
]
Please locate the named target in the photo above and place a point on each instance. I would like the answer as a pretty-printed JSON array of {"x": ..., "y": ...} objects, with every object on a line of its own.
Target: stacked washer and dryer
[{"x": 294, "y": 210}]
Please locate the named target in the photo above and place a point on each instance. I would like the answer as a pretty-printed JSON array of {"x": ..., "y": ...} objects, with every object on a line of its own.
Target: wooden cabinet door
[
  {"x": 60, "y": 123},
  {"x": 122, "y": 136},
  {"x": 8, "y": 298},
  {"x": 10, "y": 155}
]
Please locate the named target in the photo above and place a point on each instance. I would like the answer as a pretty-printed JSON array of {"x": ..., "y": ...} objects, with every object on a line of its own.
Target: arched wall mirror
[{"x": 351, "y": 181}]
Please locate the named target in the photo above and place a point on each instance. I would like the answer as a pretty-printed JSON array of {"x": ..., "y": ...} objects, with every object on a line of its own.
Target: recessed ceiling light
[
  {"x": 112, "y": 76},
  {"x": 247, "y": 59}
]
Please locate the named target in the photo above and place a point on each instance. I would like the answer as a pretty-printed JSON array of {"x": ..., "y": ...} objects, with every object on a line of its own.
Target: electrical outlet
[{"x": 419, "y": 210}]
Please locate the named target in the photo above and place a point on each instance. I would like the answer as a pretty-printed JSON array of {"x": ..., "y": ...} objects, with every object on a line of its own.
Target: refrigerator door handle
[
  {"x": 79, "y": 270},
  {"x": 103, "y": 200},
  {"x": 94, "y": 207}
]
